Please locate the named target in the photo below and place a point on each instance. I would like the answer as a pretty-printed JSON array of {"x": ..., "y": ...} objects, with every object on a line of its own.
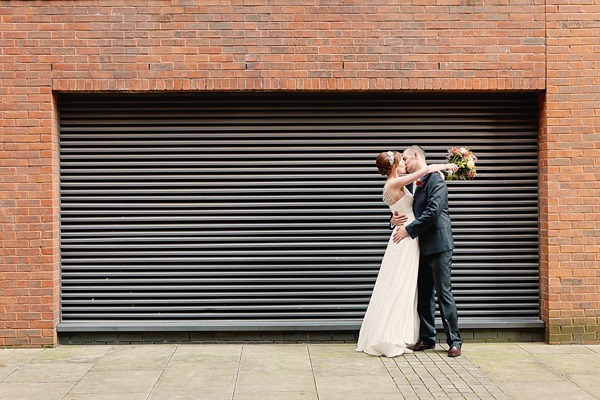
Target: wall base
[{"x": 128, "y": 338}]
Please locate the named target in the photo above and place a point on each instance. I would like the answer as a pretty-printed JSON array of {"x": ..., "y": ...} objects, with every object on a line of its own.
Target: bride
[{"x": 391, "y": 322}]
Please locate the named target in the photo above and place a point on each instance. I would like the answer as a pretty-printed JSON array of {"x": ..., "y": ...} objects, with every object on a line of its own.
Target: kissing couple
[{"x": 418, "y": 259}]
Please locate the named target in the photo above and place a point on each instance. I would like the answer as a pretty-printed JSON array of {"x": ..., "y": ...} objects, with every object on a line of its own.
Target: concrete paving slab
[
  {"x": 42, "y": 373},
  {"x": 117, "y": 382},
  {"x": 542, "y": 348},
  {"x": 594, "y": 347},
  {"x": 97, "y": 396},
  {"x": 276, "y": 396},
  {"x": 588, "y": 382},
  {"x": 199, "y": 376},
  {"x": 142, "y": 357},
  {"x": 298, "y": 371},
  {"x": 510, "y": 362},
  {"x": 6, "y": 370},
  {"x": 542, "y": 390},
  {"x": 517, "y": 371},
  {"x": 34, "y": 391},
  {"x": 17, "y": 356},
  {"x": 335, "y": 351},
  {"x": 367, "y": 365},
  {"x": 256, "y": 381},
  {"x": 283, "y": 349},
  {"x": 72, "y": 354},
  {"x": 190, "y": 394},
  {"x": 498, "y": 351},
  {"x": 275, "y": 358},
  {"x": 208, "y": 353},
  {"x": 572, "y": 363},
  {"x": 350, "y": 387}
]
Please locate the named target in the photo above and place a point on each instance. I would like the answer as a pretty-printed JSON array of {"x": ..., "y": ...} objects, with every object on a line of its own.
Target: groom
[{"x": 432, "y": 226}]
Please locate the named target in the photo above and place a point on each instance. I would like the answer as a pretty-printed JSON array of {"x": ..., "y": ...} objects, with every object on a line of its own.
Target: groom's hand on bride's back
[{"x": 398, "y": 220}]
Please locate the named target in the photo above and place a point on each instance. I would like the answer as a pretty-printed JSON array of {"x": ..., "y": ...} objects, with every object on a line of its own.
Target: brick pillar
[
  {"x": 29, "y": 220},
  {"x": 570, "y": 174}
]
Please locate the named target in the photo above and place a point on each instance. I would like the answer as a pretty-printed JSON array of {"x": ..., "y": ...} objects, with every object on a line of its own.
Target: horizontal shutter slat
[{"x": 232, "y": 210}]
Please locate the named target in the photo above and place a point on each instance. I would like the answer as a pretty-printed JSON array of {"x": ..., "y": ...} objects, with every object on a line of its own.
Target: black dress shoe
[
  {"x": 420, "y": 346},
  {"x": 454, "y": 351}
]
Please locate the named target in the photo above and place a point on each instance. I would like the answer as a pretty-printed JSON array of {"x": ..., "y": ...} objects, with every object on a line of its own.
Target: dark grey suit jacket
[{"x": 432, "y": 222}]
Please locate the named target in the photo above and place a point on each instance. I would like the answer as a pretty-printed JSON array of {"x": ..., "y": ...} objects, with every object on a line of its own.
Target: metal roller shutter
[{"x": 221, "y": 211}]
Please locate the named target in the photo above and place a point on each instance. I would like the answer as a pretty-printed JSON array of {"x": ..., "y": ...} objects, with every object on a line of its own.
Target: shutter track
[{"x": 263, "y": 211}]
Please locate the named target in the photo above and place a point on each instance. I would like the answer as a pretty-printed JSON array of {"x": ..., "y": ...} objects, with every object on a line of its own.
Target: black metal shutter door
[{"x": 263, "y": 211}]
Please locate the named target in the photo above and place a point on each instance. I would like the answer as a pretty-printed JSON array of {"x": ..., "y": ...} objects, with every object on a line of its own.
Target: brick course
[{"x": 146, "y": 45}]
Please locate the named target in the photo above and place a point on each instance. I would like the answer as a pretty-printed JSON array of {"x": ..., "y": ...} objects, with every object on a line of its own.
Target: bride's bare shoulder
[{"x": 392, "y": 193}]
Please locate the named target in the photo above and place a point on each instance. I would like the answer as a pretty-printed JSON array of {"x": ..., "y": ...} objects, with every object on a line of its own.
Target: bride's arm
[{"x": 396, "y": 183}]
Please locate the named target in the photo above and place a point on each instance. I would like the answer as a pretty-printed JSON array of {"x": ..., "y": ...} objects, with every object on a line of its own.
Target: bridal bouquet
[{"x": 465, "y": 159}]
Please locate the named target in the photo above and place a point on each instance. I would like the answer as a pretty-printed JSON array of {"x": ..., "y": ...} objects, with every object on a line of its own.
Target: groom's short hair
[{"x": 414, "y": 148}]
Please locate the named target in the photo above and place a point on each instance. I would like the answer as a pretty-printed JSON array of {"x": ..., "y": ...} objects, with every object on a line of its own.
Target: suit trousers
[{"x": 434, "y": 272}]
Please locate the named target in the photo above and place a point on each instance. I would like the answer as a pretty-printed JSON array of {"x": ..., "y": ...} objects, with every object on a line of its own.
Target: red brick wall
[
  {"x": 570, "y": 173},
  {"x": 151, "y": 45},
  {"x": 311, "y": 44},
  {"x": 29, "y": 218}
]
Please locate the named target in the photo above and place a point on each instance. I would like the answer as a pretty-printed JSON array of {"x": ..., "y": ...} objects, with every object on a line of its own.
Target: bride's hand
[{"x": 452, "y": 167}]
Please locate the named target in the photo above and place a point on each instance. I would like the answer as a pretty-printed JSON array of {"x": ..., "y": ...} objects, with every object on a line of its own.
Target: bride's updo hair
[{"x": 387, "y": 161}]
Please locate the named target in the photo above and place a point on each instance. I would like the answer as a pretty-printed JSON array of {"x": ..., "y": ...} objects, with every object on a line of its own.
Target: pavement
[{"x": 298, "y": 371}]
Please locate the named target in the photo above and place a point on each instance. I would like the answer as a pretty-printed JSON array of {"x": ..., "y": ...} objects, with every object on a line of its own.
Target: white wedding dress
[{"x": 391, "y": 322}]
